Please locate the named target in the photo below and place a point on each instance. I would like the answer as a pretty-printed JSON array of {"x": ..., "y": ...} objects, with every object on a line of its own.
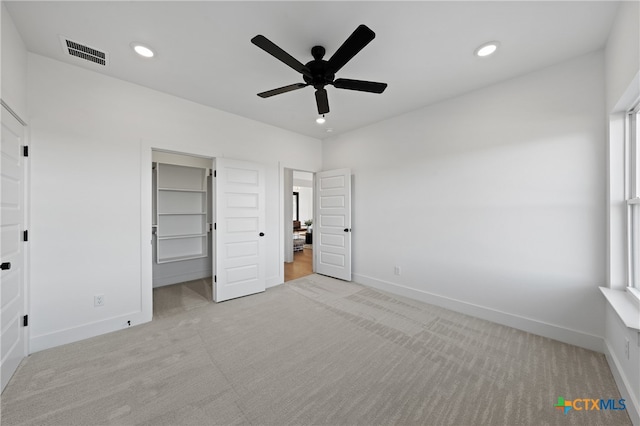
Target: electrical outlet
[
  {"x": 626, "y": 347},
  {"x": 98, "y": 300},
  {"x": 396, "y": 270}
]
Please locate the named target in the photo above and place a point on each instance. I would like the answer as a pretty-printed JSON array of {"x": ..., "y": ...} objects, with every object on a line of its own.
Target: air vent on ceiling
[{"x": 82, "y": 51}]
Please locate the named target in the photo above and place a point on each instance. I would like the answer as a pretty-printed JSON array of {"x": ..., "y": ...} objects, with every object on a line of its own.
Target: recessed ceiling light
[
  {"x": 142, "y": 50},
  {"x": 320, "y": 120},
  {"x": 487, "y": 49}
]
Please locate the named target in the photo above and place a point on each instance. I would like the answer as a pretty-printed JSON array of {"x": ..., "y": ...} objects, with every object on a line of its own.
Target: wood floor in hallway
[{"x": 301, "y": 266}]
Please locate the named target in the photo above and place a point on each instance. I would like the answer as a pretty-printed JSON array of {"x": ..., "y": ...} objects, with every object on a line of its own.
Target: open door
[
  {"x": 240, "y": 224},
  {"x": 332, "y": 230},
  {"x": 12, "y": 298}
]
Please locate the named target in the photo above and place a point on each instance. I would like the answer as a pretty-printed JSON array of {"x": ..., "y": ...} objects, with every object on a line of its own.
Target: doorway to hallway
[
  {"x": 301, "y": 266},
  {"x": 298, "y": 224}
]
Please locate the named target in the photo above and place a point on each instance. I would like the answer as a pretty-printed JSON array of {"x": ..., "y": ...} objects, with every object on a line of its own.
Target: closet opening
[
  {"x": 182, "y": 237},
  {"x": 298, "y": 227}
]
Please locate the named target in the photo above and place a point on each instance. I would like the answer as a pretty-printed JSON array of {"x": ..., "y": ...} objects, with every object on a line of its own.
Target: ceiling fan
[{"x": 318, "y": 72}]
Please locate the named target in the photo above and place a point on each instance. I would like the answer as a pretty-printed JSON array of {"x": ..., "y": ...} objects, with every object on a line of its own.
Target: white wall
[
  {"x": 622, "y": 64},
  {"x": 622, "y": 52},
  {"x": 626, "y": 370},
  {"x": 13, "y": 83},
  {"x": 91, "y": 139},
  {"x": 490, "y": 203}
]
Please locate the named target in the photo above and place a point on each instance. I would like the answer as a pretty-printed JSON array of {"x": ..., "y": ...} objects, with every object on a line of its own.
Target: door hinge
[
  {"x": 25, "y": 236},
  {"x": 215, "y": 173},
  {"x": 25, "y": 151},
  {"x": 215, "y": 278},
  {"x": 25, "y": 321},
  {"x": 215, "y": 226}
]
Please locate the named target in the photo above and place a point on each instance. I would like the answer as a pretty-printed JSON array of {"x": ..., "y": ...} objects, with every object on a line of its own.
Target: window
[{"x": 633, "y": 196}]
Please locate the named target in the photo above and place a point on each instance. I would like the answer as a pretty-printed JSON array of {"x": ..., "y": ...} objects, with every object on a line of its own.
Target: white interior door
[
  {"x": 12, "y": 337},
  {"x": 332, "y": 229},
  {"x": 240, "y": 226}
]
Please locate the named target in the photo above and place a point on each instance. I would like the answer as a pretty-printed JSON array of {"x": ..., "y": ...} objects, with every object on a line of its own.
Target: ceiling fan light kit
[{"x": 319, "y": 72}]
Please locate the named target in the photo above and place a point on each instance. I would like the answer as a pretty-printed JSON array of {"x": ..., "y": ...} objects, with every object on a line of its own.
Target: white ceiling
[{"x": 423, "y": 50}]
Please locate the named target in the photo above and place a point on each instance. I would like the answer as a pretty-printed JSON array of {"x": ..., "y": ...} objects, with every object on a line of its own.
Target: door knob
[
  {"x": 5, "y": 266},
  {"x": 261, "y": 234},
  {"x": 347, "y": 230}
]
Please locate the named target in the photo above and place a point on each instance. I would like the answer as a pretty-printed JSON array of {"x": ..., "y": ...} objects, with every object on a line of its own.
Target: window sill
[{"x": 625, "y": 306}]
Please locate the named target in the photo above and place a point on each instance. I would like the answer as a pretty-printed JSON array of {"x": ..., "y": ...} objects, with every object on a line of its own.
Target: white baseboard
[
  {"x": 86, "y": 331},
  {"x": 631, "y": 400},
  {"x": 529, "y": 325}
]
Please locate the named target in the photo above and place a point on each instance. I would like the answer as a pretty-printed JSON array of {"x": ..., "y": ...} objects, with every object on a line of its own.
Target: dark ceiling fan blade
[
  {"x": 361, "y": 85},
  {"x": 280, "y": 90},
  {"x": 322, "y": 101},
  {"x": 268, "y": 46},
  {"x": 355, "y": 43}
]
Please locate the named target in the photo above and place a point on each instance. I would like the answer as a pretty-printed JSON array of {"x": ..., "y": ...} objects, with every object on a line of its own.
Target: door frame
[
  {"x": 145, "y": 314},
  {"x": 164, "y": 274},
  {"x": 26, "y": 221},
  {"x": 285, "y": 206}
]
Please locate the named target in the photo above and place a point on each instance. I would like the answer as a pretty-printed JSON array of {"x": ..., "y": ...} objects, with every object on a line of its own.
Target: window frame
[{"x": 632, "y": 195}]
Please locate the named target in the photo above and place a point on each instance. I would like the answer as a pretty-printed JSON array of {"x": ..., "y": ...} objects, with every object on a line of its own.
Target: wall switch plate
[{"x": 98, "y": 300}]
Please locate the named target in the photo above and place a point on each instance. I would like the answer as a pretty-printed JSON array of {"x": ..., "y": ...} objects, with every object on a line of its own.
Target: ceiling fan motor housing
[{"x": 319, "y": 68}]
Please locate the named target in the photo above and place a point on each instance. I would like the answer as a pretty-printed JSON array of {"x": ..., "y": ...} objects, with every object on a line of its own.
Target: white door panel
[
  {"x": 12, "y": 338},
  {"x": 240, "y": 224},
  {"x": 332, "y": 232}
]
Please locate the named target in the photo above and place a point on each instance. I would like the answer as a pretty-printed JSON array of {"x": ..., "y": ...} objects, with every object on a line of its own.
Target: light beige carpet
[
  {"x": 178, "y": 298},
  {"x": 313, "y": 351}
]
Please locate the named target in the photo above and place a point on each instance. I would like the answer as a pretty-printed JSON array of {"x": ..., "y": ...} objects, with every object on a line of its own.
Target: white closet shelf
[
  {"x": 182, "y": 190},
  {"x": 175, "y": 237},
  {"x": 181, "y": 206},
  {"x": 181, "y": 214},
  {"x": 180, "y": 258}
]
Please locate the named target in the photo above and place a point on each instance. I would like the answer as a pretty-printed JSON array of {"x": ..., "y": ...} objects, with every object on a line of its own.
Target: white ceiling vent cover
[{"x": 82, "y": 51}]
